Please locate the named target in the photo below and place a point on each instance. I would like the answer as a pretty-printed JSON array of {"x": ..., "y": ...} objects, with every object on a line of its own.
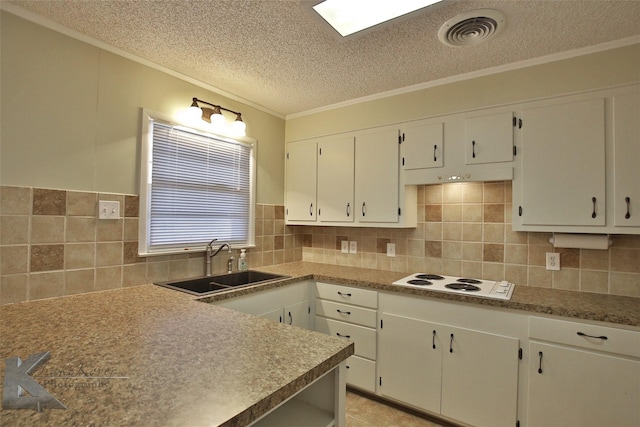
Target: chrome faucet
[{"x": 210, "y": 253}]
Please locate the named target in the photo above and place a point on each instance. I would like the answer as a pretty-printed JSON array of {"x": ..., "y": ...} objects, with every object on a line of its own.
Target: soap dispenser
[{"x": 242, "y": 260}]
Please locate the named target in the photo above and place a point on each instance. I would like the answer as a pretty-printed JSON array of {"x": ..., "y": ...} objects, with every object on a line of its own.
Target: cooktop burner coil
[
  {"x": 420, "y": 282},
  {"x": 429, "y": 276},
  {"x": 471, "y": 281},
  {"x": 462, "y": 287}
]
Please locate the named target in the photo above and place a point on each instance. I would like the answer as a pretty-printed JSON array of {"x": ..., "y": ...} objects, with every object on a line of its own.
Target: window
[{"x": 194, "y": 187}]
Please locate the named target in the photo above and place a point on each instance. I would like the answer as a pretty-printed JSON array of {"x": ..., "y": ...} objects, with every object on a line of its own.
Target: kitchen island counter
[
  {"x": 147, "y": 355},
  {"x": 620, "y": 310}
]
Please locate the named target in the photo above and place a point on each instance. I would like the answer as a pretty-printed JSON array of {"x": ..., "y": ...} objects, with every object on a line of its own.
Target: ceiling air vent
[{"x": 471, "y": 28}]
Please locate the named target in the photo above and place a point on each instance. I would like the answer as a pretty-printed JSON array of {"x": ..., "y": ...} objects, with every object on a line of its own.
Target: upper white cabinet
[
  {"x": 489, "y": 138},
  {"x": 577, "y": 171},
  {"x": 474, "y": 146},
  {"x": 626, "y": 149},
  {"x": 424, "y": 145},
  {"x": 301, "y": 175},
  {"x": 358, "y": 181},
  {"x": 563, "y": 164},
  {"x": 377, "y": 176},
  {"x": 335, "y": 179}
]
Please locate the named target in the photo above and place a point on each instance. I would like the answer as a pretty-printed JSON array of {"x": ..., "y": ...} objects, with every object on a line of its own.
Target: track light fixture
[{"x": 215, "y": 117}]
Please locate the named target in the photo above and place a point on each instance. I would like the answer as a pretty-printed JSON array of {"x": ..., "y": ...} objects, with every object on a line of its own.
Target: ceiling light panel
[{"x": 350, "y": 16}]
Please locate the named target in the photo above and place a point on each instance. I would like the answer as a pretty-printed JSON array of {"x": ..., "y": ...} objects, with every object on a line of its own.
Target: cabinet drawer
[
  {"x": 364, "y": 339},
  {"x": 347, "y": 313},
  {"x": 346, "y": 294},
  {"x": 361, "y": 373},
  {"x": 619, "y": 341}
]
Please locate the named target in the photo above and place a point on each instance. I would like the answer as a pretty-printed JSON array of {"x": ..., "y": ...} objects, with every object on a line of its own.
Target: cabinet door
[
  {"x": 563, "y": 164},
  {"x": 335, "y": 180},
  {"x": 301, "y": 181},
  {"x": 297, "y": 314},
  {"x": 274, "y": 315},
  {"x": 423, "y": 145},
  {"x": 577, "y": 388},
  {"x": 410, "y": 361},
  {"x": 626, "y": 143},
  {"x": 377, "y": 176},
  {"x": 479, "y": 377},
  {"x": 489, "y": 138}
]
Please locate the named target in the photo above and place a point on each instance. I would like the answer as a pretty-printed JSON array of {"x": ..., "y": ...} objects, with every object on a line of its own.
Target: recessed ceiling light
[{"x": 350, "y": 16}]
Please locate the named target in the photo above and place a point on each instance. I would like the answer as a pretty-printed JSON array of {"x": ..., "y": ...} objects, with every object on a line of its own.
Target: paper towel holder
[{"x": 581, "y": 241}]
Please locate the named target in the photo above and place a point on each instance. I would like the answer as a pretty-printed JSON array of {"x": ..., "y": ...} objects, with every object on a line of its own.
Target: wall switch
[
  {"x": 353, "y": 247},
  {"x": 391, "y": 249},
  {"x": 553, "y": 261},
  {"x": 344, "y": 247},
  {"x": 108, "y": 209}
]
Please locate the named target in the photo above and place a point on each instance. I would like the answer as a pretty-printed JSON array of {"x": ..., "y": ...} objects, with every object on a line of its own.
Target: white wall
[{"x": 70, "y": 115}]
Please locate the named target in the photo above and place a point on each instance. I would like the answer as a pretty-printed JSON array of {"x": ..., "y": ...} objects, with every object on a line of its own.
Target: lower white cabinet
[
  {"x": 467, "y": 375},
  {"x": 583, "y": 375},
  {"x": 462, "y": 373},
  {"x": 290, "y": 304},
  {"x": 351, "y": 314}
]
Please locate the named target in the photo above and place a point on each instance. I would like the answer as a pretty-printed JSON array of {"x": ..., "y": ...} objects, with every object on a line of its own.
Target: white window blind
[{"x": 199, "y": 187}]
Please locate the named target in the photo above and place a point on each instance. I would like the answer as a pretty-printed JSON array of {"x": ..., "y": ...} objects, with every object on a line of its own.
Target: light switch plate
[
  {"x": 344, "y": 246},
  {"x": 353, "y": 247},
  {"x": 391, "y": 249},
  {"x": 108, "y": 209}
]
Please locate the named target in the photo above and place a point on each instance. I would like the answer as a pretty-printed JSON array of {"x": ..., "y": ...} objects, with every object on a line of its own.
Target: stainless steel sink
[{"x": 206, "y": 285}]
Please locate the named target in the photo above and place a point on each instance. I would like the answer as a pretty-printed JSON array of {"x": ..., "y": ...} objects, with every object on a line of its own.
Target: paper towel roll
[{"x": 581, "y": 241}]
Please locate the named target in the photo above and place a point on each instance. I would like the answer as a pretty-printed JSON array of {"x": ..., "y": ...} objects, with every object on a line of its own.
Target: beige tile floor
[{"x": 365, "y": 412}]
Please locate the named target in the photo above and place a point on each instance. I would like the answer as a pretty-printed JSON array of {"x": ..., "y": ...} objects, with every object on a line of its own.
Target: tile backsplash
[
  {"x": 464, "y": 229},
  {"x": 52, "y": 244}
]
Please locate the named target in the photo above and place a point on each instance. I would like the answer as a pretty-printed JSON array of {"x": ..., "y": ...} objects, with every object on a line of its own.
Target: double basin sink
[{"x": 207, "y": 285}]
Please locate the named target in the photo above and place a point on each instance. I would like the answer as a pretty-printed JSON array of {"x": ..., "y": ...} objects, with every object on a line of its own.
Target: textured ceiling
[{"x": 280, "y": 55}]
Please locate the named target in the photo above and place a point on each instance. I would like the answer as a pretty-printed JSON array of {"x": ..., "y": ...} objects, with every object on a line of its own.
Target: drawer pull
[
  {"x": 342, "y": 336},
  {"x": 343, "y": 295},
  {"x": 433, "y": 339},
  {"x": 451, "y": 344},
  {"x": 348, "y": 313},
  {"x": 540, "y": 362},
  {"x": 601, "y": 337}
]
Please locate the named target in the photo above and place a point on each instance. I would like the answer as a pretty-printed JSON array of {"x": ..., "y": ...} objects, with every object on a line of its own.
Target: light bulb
[{"x": 239, "y": 127}]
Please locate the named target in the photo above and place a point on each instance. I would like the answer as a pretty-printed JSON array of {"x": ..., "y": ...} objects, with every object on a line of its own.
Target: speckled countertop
[
  {"x": 619, "y": 310},
  {"x": 150, "y": 356}
]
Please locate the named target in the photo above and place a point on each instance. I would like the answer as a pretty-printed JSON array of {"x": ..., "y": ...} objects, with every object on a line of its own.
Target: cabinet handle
[
  {"x": 627, "y": 200},
  {"x": 348, "y": 313},
  {"x": 311, "y": 209},
  {"x": 593, "y": 215},
  {"x": 433, "y": 339},
  {"x": 364, "y": 209},
  {"x": 473, "y": 148},
  {"x": 601, "y": 337},
  {"x": 540, "y": 362},
  {"x": 344, "y": 295},
  {"x": 342, "y": 336},
  {"x": 435, "y": 147},
  {"x": 348, "y": 209},
  {"x": 451, "y": 344},
  {"x": 290, "y": 318}
]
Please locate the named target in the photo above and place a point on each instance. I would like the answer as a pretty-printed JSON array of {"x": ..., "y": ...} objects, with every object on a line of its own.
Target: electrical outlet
[
  {"x": 353, "y": 247},
  {"x": 108, "y": 209},
  {"x": 391, "y": 249},
  {"x": 344, "y": 247},
  {"x": 553, "y": 261}
]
